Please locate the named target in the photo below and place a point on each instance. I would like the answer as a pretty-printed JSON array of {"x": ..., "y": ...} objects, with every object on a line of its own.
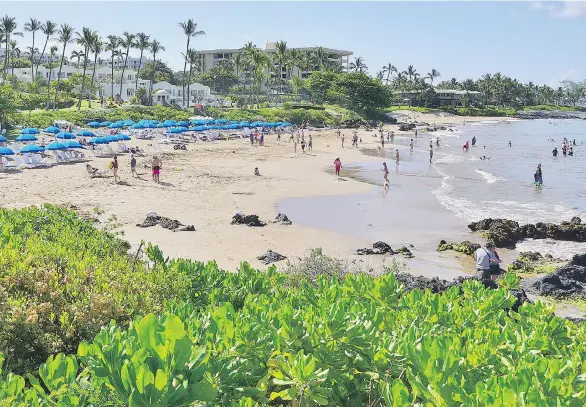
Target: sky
[{"x": 533, "y": 41}]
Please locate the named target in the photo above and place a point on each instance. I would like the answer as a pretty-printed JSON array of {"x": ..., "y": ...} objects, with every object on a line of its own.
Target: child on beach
[{"x": 338, "y": 165}]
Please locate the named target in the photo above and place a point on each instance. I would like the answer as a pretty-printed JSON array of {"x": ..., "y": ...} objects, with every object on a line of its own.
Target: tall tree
[
  {"x": 320, "y": 57},
  {"x": 77, "y": 55},
  {"x": 8, "y": 28},
  {"x": 238, "y": 64},
  {"x": 141, "y": 43},
  {"x": 52, "y": 52},
  {"x": 65, "y": 36},
  {"x": 281, "y": 57},
  {"x": 85, "y": 39},
  {"x": 32, "y": 26},
  {"x": 190, "y": 30},
  {"x": 14, "y": 50},
  {"x": 155, "y": 48},
  {"x": 358, "y": 65},
  {"x": 96, "y": 47},
  {"x": 191, "y": 59},
  {"x": 112, "y": 46},
  {"x": 432, "y": 75},
  {"x": 411, "y": 72},
  {"x": 127, "y": 42},
  {"x": 389, "y": 69},
  {"x": 48, "y": 28}
]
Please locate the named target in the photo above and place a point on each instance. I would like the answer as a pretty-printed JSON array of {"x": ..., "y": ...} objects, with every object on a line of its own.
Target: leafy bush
[{"x": 61, "y": 280}]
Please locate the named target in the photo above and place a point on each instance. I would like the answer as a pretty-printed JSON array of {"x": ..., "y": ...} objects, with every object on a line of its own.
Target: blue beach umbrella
[
  {"x": 32, "y": 148},
  {"x": 111, "y": 139},
  {"x": 94, "y": 124},
  {"x": 105, "y": 124},
  {"x": 122, "y": 137},
  {"x": 85, "y": 133},
  {"x": 169, "y": 121},
  {"x": 138, "y": 126},
  {"x": 175, "y": 130},
  {"x": 161, "y": 125},
  {"x": 55, "y": 146},
  {"x": 245, "y": 124},
  {"x": 6, "y": 151},
  {"x": 52, "y": 130},
  {"x": 181, "y": 123},
  {"x": 29, "y": 130},
  {"x": 149, "y": 125},
  {"x": 115, "y": 125},
  {"x": 3, "y": 139},
  {"x": 65, "y": 136},
  {"x": 286, "y": 124},
  {"x": 154, "y": 121},
  {"x": 198, "y": 128},
  {"x": 128, "y": 123},
  {"x": 26, "y": 137},
  {"x": 99, "y": 140},
  {"x": 72, "y": 144}
]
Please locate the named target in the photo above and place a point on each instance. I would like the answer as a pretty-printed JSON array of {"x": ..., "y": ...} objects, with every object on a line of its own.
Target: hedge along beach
[{"x": 205, "y": 185}]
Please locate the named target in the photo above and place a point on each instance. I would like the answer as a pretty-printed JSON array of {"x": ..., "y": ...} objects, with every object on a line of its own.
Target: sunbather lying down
[{"x": 94, "y": 172}]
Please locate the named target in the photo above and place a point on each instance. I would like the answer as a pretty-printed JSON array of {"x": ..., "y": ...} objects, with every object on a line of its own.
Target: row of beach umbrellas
[{"x": 34, "y": 148}]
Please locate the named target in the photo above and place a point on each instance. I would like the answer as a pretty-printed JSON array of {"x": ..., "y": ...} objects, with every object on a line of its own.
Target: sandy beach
[{"x": 205, "y": 185}]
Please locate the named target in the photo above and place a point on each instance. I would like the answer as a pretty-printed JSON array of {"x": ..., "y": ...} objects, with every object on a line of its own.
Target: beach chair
[
  {"x": 8, "y": 165},
  {"x": 37, "y": 160}
]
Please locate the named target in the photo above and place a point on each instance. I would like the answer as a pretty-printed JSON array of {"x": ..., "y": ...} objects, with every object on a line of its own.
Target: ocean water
[{"x": 502, "y": 186}]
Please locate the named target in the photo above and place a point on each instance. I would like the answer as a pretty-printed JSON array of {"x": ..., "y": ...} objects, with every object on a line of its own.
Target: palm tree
[
  {"x": 142, "y": 43},
  {"x": 52, "y": 52},
  {"x": 8, "y": 28},
  {"x": 411, "y": 72},
  {"x": 281, "y": 57},
  {"x": 86, "y": 40},
  {"x": 78, "y": 55},
  {"x": 238, "y": 64},
  {"x": 155, "y": 48},
  {"x": 112, "y": 46},
  {"x": 358, "y": 65},
  {"x": 65, "y": 36},
  {"x": 14, "y": 50},
  {"x": 32, "y": 26},
  {"x": 127, "y": 42},
  {"x": 389, "y": 69},
  {"x": 380, "y": 75},
  {"x": 96, "y": 47},
  {"x": 191, "y": 59},
  {"x": 295, "y": 61},
  {"x": 432, "y": 75},
  {"x": 321, "y": 57},
  {"x": 190, "y": 30},
  {"x": 48, "y": 28}
]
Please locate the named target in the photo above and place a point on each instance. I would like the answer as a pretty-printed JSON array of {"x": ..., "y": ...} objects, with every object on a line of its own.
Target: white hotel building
[
  {"x": 211, "y": 58},
  {"x": 163, "y": 92}
]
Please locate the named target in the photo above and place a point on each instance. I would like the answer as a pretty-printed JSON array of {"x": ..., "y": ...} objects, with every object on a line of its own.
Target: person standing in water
[
  {"x": 386, "y": 176},
  {"x": 538, "y": 176},
  {"x": 555, "y": 152},
  {"x": 411, "y": 146},
  {"x": 430, "y": 154},
  {"x": 415, "y": 133},
  {"x": 310, "y": 143},
  {"x": 342, "y": 141},
  {"x": 397, "y": 157},
  {"x": 510, "y": 145},
  {"x": 473, "y": 141},
  {"x": 437, "y": 142},
  {"x": 338, "y": 166}
]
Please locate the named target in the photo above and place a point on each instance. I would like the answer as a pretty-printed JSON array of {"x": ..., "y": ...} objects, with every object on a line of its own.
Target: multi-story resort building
[{"x": 213, "y": 57}]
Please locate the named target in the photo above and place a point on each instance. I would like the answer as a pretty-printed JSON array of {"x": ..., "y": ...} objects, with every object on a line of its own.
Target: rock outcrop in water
[
  {"x": 406, "y": 126},
  {"x": 566, "y": 281},
  {"x": 533, "y": 114},
  {"x": 166, "y": 223},
  {"x": 251, "y": 220},
  {"x": 466, "y": 247},
  {"x": 535, "y": 263},
  {"x": 282, "y": 219},
  {"x": 506, "y": 233},
  {"x": 384, "y": 248}
]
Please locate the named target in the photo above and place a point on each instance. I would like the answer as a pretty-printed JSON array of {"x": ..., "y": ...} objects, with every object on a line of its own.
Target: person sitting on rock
[
  {"x": 487, "y": 263},
  {"x": 256, "y": 172}
]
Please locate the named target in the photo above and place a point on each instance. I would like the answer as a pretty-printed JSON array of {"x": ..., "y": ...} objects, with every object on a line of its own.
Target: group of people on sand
[{"x": 156, "y": 165}]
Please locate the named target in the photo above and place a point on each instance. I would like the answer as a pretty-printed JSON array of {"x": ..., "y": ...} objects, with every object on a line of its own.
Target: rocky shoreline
[{"x": 552, "y": 115}]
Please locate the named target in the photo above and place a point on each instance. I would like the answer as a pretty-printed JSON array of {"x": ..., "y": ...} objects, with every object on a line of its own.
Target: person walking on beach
[
  {"x": 338, "y": 166},
  {"x": 295, "y": 145},
  {"x": 133, "y": 166},
  {"x": 437, "y": 142},
  {"x": 397, "y": 157},
  {"x": 262, "y": 139},
  {"x": 415, "y": 133},
  {"x": 342, "y": 141},
  {"x": 251, "y": 139},
  {"x": 114, "y": 166},
  {"x": 386, "y": 176},
  {"x": 473, "y": 141},
  {"x": 392, "y": 136},
  {"x": 156, "y": 167},
  {"x": 310, "y": 143},
  {"x": 430, "y": 154},
  {"x": 338, "y": 132},
  {"x": 355, "y": 140},
  {"x": 382, "y": 141},
  {"x": 292, "y": 137},
  {"x": 303, "y": 144}
]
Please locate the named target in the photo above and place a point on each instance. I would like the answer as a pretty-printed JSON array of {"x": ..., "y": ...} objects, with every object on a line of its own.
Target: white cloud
[{"x": 561, "y": 9}]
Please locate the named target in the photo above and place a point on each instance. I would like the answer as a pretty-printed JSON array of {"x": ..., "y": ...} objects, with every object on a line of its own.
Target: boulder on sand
[
  {"x": 502, "y": 232},
  {"x": 271, "y": 257},
  {"x": 167, "y": 223},
  {"x": 465, "y": 247},
  {"x": 282, "y": 219},
  {"x": 251, "y": 220},
  {"x": 383, "y": 248},
  {"x": 406, "y": 126},
  {"x": 566, "y": 281}
]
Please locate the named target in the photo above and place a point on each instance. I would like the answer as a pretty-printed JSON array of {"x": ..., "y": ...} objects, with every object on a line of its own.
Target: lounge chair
[
  {"x": 37, "y": 160},
  {"x": 93, "y": 172}
]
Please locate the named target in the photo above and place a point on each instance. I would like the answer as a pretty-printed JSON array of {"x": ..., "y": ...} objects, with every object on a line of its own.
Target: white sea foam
[
  {"x": 490, "y": 178},
  {"x": 445, "y": 133},
  {"x": 455, "y": 159},
  {"x": 558, "y": 249}
]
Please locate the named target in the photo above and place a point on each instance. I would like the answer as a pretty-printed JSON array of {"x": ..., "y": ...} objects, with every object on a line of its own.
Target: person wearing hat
[{"x": 487, "y": 263}]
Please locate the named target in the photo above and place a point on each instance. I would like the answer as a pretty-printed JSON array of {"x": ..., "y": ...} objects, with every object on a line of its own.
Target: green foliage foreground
[{"x": 252, "y": 339}]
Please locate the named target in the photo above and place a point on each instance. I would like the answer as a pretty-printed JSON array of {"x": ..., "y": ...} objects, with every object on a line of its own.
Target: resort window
[{"x": 129, "y": 77}]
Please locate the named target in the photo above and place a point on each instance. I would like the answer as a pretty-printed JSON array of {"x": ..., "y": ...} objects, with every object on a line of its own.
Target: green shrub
[{"x": 62, "y": 279}]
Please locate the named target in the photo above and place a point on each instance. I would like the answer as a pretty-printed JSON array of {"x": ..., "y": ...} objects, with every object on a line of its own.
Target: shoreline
[{"x": 207, "y": 184}]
